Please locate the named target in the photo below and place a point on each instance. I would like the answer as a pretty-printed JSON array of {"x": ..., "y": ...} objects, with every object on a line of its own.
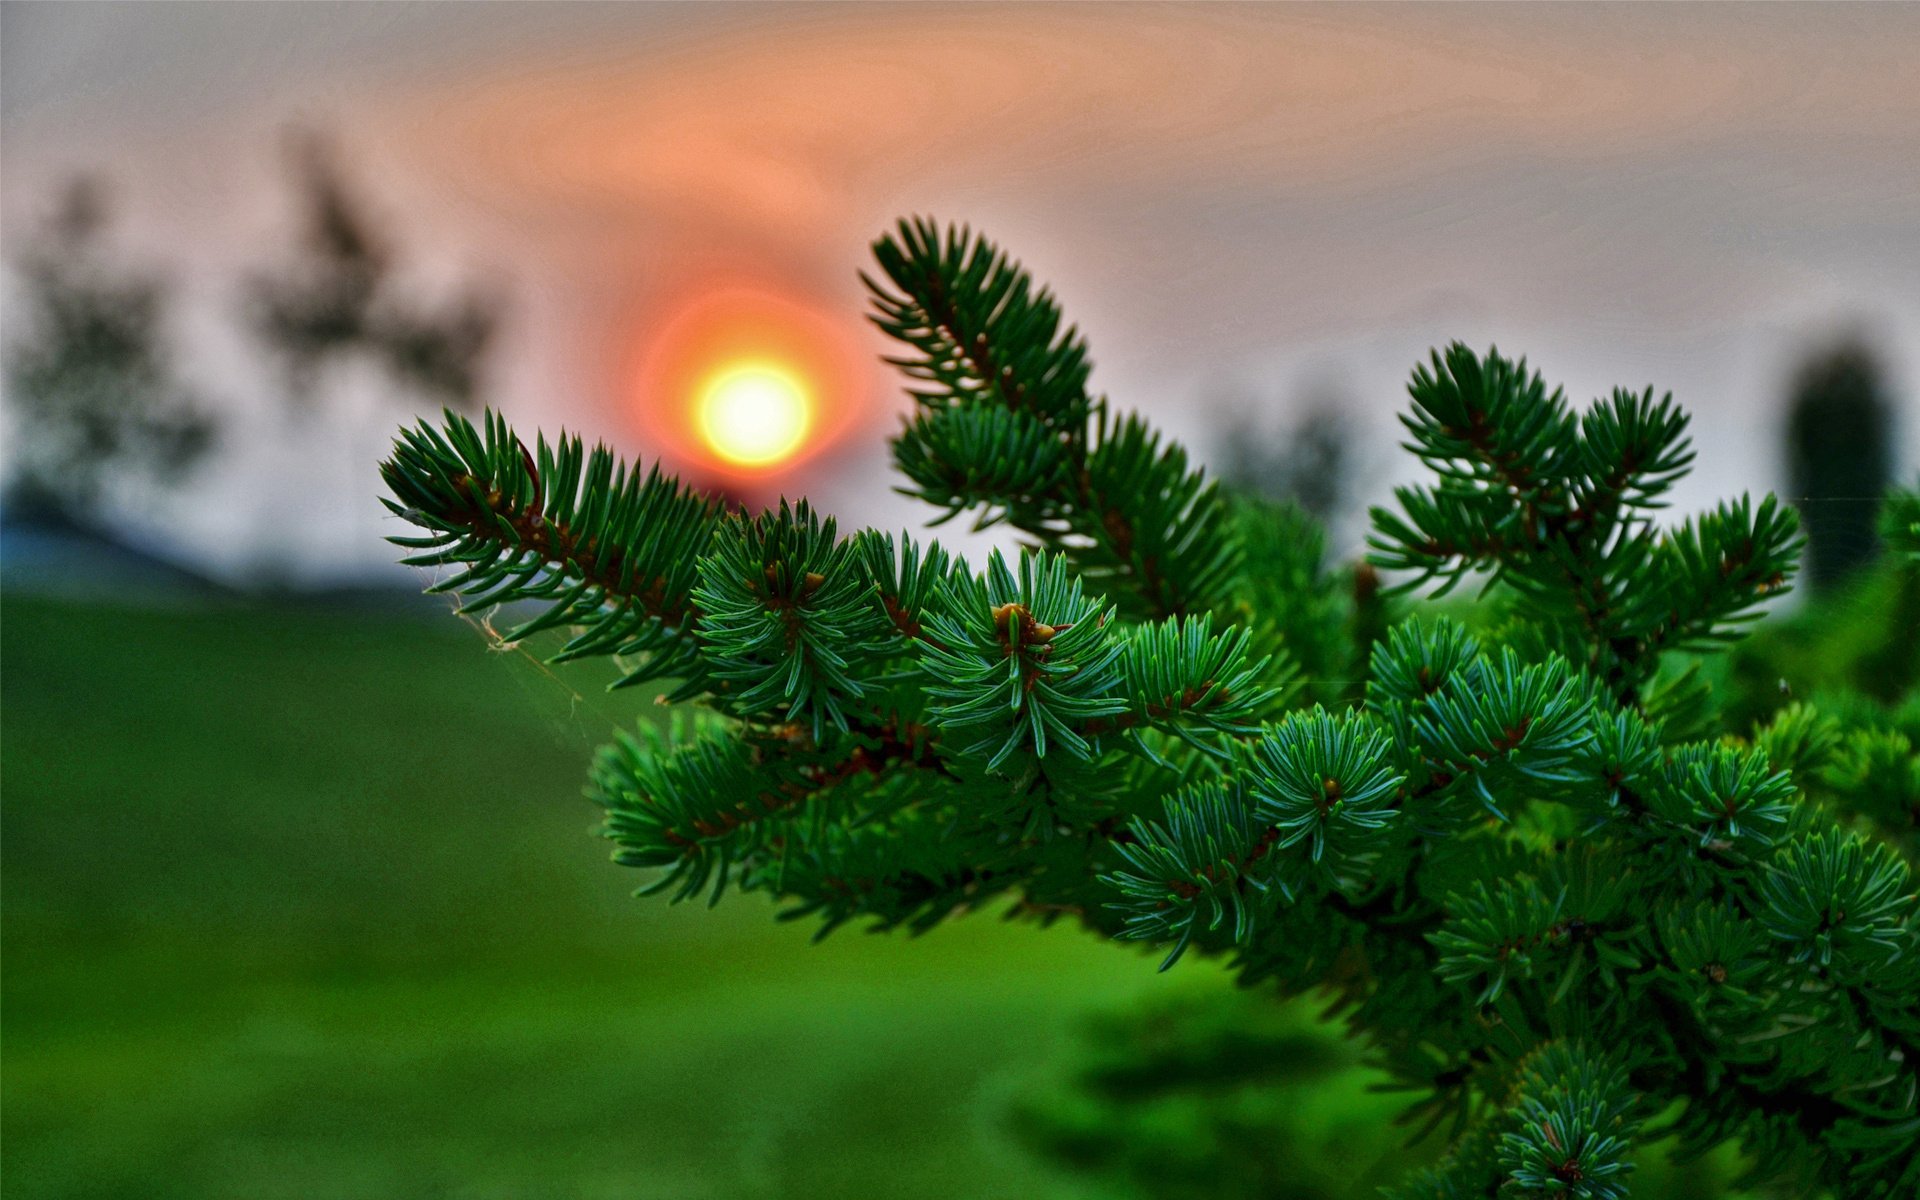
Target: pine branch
[
  {"x": 1721, "y": 567},
  {"x": 603, "y": 546},
  {"x": 1555, "y": 508},
  {"x": 1572, "y": 1128},
  {"x": 690, "y": 807},
  {"x": 1529, "y": 843},
  {"x": 1007, "y": 428},
  {"x": 1018, "y": 663},
  {"x": 1181, "y": 677},
  {"x": 787, "y": 616},
  {"x": 1315, "y": 797}
]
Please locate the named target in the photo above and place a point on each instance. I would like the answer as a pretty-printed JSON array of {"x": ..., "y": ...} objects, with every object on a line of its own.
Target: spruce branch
[
  {"x": 1005, "y": 462},
  {"x": 1311, "y": 622},
  {"x": 1179, "y": 676},
  {"x": 1500, "y": 722},
  {"x": 1489, "y": 424},
  {"x": 787, "y": 616},
  {"x": 1844, "y": 905},
  {"x": 1006, "y": 427},
  {"x": 1151, "y": 521},
  {"x": 910, "y": 873},
  {"x": 1572, "y": 1128},
  {"x": 1207, "y": 860},
  {"x": 1542, "y": 874},
  {"x": 1719, "y": 568},
  {"x": 1555, "y": 507},
  {"x": 1732, "y": 798},
  {"x": 906, "y": 580},
  {"x": 1633, "y": 449},
  {"x": 1022, "y": 663},
  {"x": 690, "y": 804},
  {"x": 1417, "y": 660},
  {"x": 1315, "y": 797},
  {"x": 604, "y": 546},
  {"x": 1325, "y": 782},
  {"x": 984, "y": 336}
]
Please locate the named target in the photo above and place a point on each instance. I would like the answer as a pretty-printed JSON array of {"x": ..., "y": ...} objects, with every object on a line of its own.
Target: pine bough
[{"x": 1560, "y": 913}]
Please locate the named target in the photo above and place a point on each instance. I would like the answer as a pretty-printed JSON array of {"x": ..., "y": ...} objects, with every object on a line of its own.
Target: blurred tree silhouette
[
  {"x": 339, "y": 299},
  {"x": 1839, "y": 456},
  {"x": 1308, "y": 466},
  {"x": 1221, "y": 1095},
  {"x": 91, "y": 379}
]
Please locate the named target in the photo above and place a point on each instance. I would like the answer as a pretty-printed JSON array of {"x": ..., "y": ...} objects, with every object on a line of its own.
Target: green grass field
[{"x": 302, "y": 904}]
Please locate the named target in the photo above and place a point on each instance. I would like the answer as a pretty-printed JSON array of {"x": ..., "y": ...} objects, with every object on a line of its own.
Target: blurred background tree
[
  {"x": 1219, "y": 1094},
  {"x": 1839, "y": 455},
  {"x": 1309, "y": 465},
  {"x": 338, "y": 298},
  {"x": 1302, "y": 479},
  {"x": 351, "y": 333},
  {"x": 91, "y": 379}
]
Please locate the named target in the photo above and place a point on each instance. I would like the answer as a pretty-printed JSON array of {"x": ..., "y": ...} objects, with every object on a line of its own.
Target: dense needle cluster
[{"x": 1556, "y": 900}]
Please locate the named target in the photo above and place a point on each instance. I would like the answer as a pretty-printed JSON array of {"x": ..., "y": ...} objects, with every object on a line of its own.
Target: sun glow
[
  {"x": 754, "y": 414},
  {"x": 741, "y": 385}
]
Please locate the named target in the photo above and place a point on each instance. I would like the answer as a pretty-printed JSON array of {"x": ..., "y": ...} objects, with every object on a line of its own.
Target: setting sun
[
  {"x": 754, "y": 413},
  {"x": 744, "y": 384}
]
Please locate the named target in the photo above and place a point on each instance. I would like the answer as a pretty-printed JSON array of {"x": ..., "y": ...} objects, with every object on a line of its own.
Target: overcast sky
[{"x": 1240, "y": 205}]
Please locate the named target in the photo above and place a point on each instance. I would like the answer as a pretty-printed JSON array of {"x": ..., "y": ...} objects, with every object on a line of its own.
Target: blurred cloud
[{"x": 1665, "y": 194}]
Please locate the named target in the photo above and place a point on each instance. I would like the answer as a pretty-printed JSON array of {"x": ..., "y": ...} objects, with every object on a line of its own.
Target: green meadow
[{"x": 304, "y": 902}]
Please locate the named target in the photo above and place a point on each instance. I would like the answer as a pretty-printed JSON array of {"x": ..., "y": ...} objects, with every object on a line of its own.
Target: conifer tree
[{"x": 1549, "y": 898}]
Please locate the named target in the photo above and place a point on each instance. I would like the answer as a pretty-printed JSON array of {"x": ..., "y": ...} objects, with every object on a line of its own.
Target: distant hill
[{"x": 52, "y": 553}]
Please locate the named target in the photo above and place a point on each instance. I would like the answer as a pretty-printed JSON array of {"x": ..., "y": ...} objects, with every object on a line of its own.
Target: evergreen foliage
[{"x": 1550, "y": 897}]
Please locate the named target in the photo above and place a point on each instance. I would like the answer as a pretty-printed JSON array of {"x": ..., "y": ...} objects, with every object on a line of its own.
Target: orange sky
[{"x": 1236, "y": 202}]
